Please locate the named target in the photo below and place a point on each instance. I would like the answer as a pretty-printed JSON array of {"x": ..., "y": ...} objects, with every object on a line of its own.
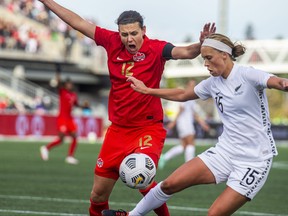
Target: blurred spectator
[
  {"x": 14, "y": 38},
  {"x": 3, "y": 102},
  {"x": 70, "y": 37},
  {"x": 86, "y": 108},
  {"x": 26, "y": 39}
]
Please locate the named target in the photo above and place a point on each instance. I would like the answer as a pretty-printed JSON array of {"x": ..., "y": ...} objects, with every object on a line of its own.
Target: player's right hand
[{"x": 137, "y": 85}]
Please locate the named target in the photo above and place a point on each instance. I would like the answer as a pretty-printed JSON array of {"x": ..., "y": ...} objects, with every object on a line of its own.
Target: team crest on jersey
[
  {"x": 139, "y": 57},
  {"x": 100, "y": 162}
]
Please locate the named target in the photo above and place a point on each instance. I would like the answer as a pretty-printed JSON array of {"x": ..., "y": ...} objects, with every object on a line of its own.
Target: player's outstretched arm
[
  {"x": 168, "y": 94},
  {"x": 278, "y": 83},
  {"x": 193, "y": 50},
  {"x": 71, "y": 18}
]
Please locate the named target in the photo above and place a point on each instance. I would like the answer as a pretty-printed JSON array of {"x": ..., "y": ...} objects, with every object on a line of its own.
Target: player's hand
[
  {"x": 171, "y": 125},
  {"x": 137, "y": 85},
  {"x": 208, "y": 29},
  {"x": 284, "y": 84}
]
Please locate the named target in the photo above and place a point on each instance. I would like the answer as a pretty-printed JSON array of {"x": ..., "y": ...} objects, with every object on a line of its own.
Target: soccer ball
[{"x": 137, "y": 170}]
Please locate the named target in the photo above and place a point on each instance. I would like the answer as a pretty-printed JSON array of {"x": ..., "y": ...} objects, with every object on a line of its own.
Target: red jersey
[
  {"x": 67, "y": 100},
  {"x": 127, "y": 107}
]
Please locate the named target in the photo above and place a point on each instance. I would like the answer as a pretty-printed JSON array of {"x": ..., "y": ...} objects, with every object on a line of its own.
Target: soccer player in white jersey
[
  {"x": 243, "y": 155},
  {"x": 189, "y": 111}
]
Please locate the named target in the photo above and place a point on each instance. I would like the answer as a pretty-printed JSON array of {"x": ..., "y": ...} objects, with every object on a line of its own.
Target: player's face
[
  {"x": 69, "y": 85},
  {"x": 132, "y": 36},
  {"x": 215, "y": 61}
]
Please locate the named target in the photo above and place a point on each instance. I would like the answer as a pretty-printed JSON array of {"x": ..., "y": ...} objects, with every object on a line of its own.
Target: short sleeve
[
  {"x": 257, "y": 78},
  {"x": 203, "y": 89},
  {"x": 103, "y": 36}
]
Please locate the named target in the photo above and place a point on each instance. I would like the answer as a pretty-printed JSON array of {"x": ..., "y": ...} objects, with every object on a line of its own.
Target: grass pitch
[{"x": 29, "y": 186}]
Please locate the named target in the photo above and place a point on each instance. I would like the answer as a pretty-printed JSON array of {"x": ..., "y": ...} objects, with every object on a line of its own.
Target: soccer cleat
[
  {"x": 44, "y": 153},
  {"x": 119, "y": 212},
  {"x": 161, "y": 162},
  {"x": 71, "y": 160}
]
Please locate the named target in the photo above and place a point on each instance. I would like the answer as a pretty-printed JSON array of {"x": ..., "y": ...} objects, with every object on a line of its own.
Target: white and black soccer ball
[{"x": 137, "y": 170}]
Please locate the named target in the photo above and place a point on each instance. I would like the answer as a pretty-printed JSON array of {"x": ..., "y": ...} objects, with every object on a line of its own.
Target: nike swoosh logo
[
  {"x": 144, "y": 147},
  {"x": 119, "y": 59},
  {"x": 238, "y": 87}
]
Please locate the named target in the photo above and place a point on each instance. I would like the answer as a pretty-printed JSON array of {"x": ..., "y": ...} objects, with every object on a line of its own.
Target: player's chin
[{"x": 214, "y": 74}]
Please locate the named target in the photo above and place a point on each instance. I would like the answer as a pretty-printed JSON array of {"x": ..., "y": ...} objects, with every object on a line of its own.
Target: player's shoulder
[
  {"x": 245, "y": 69},
  {"x": 105, "y": 36},
  {"x": 155, "y": 43}
]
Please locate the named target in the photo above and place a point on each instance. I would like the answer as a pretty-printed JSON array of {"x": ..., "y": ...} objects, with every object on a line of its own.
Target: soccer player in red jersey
[
  {"x": 136, "y": 119},
  {"x": 65, "y": 123}
]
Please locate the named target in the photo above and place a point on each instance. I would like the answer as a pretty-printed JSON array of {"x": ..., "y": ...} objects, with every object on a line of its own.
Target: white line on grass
[
  {"x": 179, "y": 208},
  {"x": 39, "y": 213},
  {"x": 280, "y": 165}
]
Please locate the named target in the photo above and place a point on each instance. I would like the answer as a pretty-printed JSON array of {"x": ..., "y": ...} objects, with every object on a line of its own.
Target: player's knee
[
  {"x": 97, "y": 197},
  {"x": 167, "y": 187}
]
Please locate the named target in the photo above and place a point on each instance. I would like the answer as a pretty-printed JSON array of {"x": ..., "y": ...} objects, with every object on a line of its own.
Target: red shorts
[
  {"x": 122, "y": 141},
  {"x": 66, "y": 125}
]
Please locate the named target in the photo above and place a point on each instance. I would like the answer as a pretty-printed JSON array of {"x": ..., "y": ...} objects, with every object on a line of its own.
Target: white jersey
[
  {"x": 185, "y": 120},
  {"x": 243, "y": 108}
]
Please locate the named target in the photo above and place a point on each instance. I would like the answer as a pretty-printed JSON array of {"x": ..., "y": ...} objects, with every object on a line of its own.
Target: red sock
[
  {"x": 54, "y": 143},
  {"x": 96, "y": 208},
  {"x": 72, "y": 147},
  {"x": 162, "y": 210}
]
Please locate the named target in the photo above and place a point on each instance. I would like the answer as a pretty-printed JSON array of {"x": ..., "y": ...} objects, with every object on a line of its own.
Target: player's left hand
[{"x": 208, "y": 29}]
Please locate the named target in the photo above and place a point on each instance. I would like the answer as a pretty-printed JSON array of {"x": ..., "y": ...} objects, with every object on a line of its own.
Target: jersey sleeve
[
  {"x": 203, "y": 89},
  {"x": 257, "y": 78},
  {"x": 102, "y": 37}
]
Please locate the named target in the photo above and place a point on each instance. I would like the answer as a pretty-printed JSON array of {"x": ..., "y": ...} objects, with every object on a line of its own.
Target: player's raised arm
[
  {"x": 71, "y": 18},
  {"x": 174, "y": 94},
  {"x": 193, "y": 50}
]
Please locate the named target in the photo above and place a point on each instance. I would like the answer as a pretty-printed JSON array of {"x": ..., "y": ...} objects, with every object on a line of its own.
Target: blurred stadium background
[{"x": 32, "y": 42}]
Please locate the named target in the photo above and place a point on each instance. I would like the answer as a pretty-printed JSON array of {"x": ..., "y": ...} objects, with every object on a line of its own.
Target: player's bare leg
[
  {"x": 189, "y": 147},
  {"x": 191, "y": 173},
  {"x": 102, "y": 188},
  {"x": 227, "y": 203}
]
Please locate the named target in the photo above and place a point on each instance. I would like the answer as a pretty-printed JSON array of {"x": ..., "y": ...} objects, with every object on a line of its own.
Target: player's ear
[
  {"x": 143, "y": 31},
  {"x": 225, "y": 55}
]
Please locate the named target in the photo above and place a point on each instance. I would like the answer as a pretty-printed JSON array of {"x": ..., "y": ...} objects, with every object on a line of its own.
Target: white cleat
[
  {"x": 71, "y": 160},
  {"x": 44, "y": 153}
]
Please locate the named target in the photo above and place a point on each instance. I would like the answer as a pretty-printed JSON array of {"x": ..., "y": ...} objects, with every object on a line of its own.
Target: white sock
[
  {"x": 154, "y": 199},
  {"x": 189, "y": 152},
  {"x": 173, "y": 152}
]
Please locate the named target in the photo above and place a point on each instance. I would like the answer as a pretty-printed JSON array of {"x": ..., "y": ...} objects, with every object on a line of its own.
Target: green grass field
[{"x": 29, "y": 186}]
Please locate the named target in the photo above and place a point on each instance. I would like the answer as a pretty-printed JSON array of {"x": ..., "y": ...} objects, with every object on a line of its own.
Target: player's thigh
[
  {"x": 191, "y": 173},
  {"x": 149, "y": 141},
  {"x": 227, "y": 203},
  {"x": 72, "y": 127},
  {"x": 102, "y": 188}
]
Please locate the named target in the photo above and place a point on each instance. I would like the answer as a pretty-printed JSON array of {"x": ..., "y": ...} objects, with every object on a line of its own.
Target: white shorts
[
  {"x": 247, "y": 178},
  {"x": 185, "y": 129}
]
